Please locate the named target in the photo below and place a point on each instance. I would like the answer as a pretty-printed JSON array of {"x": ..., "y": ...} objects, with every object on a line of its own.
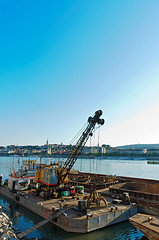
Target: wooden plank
[{"x": 21, "y": 235}]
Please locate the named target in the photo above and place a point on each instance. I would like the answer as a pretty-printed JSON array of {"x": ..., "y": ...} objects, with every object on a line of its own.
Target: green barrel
[
  {"x": 81, "y": 189},
  {"x": 65, "y": 193}
]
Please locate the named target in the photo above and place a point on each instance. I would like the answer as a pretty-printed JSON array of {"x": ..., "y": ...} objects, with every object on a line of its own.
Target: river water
[{"x": 23, "y": 219}]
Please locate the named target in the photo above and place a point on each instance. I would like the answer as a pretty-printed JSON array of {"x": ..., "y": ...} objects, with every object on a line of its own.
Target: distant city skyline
[{"x": 63, "y": 60}]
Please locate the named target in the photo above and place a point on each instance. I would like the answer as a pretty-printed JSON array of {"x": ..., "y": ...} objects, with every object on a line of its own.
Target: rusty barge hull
[
  {"x": 143, "y": 192},
  {"x": 71, "y": 221},
  {"x": 147, "y": 224}
]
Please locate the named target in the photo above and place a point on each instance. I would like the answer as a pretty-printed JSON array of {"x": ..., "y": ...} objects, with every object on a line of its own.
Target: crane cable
[
  {"x": 77, "y": 135},
  {"x": 90, "y": 154},
  {"x": 98, "y": 147},
  {"x": 74, "y": 138},
  {"x": 94, "y": 161},
  {"x": 93, "y": 152}
]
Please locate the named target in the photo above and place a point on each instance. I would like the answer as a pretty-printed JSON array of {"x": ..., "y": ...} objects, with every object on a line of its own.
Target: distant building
[
  {"x": 92, "y": 150},
  {"x": 144, "y": 150},
  {"x": 49, "y": 150},
  {"x": 104, "y": 149}
]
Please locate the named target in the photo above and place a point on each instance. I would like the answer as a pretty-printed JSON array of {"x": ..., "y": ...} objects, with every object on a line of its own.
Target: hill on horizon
[{"x": 139, "y": 146}]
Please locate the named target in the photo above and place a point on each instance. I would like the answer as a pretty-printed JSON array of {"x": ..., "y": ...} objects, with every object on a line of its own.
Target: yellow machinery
[
  {"x": 53, "y": 174},
  {"x": 48, "y": 175}
]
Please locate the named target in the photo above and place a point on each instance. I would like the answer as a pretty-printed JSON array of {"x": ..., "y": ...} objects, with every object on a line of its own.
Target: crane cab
[{"x": 48, "y": 175}]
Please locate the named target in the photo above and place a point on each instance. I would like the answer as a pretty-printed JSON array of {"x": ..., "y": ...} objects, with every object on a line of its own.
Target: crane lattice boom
[{"x": 76, "y": 151}]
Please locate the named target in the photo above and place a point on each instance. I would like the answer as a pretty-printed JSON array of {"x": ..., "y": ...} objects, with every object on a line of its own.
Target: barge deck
[
  {"x": 147, "y": 224},
  {"x": 72, "y": 220}
]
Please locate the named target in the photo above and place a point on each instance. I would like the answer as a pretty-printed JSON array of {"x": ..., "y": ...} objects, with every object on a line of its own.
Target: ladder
[{"x": 21, "y": 235}]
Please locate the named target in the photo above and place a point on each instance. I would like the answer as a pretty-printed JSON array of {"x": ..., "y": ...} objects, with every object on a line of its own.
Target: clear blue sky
[{"x": 60, "y": 61}]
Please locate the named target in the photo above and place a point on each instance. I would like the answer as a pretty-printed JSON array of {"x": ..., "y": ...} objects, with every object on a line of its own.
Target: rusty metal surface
[
  {"x": 145, "y": 187},
  {"x": 131, "y": 179},
  {"x": 85, "y": 179},
  {"x": 143, "y": 196},
  {"x": 147, "y": 224}
]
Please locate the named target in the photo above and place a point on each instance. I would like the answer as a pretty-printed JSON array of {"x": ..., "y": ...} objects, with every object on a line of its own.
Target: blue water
[
  {"x": 120, "y": 167},
  {"x": 23, "y": 219}
]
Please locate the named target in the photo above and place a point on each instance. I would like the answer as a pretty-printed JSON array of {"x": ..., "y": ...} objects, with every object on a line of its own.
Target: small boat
[
  {"x": 21, "y": 179},
  {"x": 152, "y": 162}
]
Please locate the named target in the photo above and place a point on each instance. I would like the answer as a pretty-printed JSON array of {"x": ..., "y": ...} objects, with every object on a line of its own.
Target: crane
[{"x": 77, "y": 149}]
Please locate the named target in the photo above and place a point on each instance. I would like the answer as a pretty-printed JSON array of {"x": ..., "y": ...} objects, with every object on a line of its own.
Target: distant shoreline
[{"x": 86, "y": 157}]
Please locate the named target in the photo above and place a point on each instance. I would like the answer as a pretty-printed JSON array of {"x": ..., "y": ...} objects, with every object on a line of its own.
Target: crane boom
[{"x": 76, "y": 151}]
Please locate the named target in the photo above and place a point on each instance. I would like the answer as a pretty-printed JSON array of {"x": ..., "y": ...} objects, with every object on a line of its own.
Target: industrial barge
[
  {"x": 49, "y": 193},
  {"x": 81, "y": 202}
]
